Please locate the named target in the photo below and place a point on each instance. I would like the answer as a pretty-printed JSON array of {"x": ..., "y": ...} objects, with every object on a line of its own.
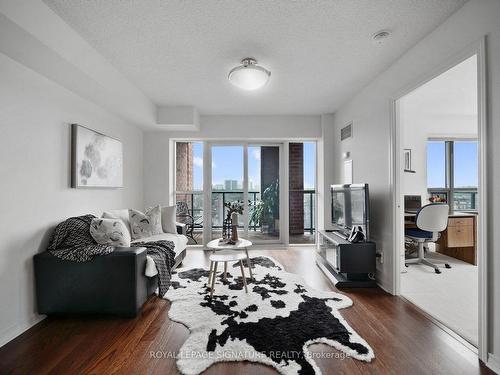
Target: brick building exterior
[
  {"x": 296, "y": 187},
  {"x": 184, "y": 166}
]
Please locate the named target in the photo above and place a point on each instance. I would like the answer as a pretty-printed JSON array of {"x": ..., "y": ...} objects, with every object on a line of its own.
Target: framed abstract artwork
[{"x": 97, "y": 160}]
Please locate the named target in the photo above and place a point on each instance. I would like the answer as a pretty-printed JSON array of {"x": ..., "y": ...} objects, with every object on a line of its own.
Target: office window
[
  {"x": 465, "y": 164},
  {"x": 452, "y": 172},
  {"x": 436, "y": 164}
]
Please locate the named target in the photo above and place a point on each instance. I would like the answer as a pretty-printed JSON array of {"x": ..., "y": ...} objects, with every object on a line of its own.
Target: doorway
[{"x": 439, "y": 158}]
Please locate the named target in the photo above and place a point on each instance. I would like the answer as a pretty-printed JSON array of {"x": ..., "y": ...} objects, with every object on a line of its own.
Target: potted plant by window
[{"x": 265, "y": 213}]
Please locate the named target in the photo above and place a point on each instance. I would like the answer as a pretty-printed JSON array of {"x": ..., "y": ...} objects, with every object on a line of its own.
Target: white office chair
[{"x": 430, "y": 220}]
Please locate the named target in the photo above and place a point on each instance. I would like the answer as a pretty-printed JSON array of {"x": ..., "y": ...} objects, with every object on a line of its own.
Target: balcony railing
[
  {"x": 309, "y": 206},
  {"x": 220, "y": 197}
]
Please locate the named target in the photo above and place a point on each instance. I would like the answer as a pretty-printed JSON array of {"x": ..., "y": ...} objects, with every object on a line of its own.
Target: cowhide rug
[{"x": 273, "y": 324}]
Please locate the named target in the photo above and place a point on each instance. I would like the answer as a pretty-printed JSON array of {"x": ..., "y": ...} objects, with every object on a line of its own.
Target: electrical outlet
[{"x": 381, "y": 258}]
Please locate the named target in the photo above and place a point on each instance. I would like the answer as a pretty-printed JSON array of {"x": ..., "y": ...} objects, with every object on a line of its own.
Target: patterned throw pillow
[
  {"x": 168, "y": 217},
  {"x": 110, "y": 231},
  {"x": 145, "y": 224},
  {"x": 118, "y": 214}
]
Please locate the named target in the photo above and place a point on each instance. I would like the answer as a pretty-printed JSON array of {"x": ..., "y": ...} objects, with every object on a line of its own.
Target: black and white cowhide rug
[{"x": 273, "y": 324}]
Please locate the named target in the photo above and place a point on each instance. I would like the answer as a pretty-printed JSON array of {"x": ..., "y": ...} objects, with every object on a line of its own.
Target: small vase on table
[{"x": 234, "y": 227}]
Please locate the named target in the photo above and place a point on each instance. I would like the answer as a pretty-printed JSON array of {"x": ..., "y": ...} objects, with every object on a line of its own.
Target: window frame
[
  {"x": 450, "y": 188},
  {"x": 207, "y": 182}
]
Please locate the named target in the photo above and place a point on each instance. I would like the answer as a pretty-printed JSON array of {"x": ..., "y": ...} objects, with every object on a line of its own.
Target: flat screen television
[{"x": 350, "y": 206}]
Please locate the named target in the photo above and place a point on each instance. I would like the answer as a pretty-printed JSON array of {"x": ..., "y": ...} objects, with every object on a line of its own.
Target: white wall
[
  {"x": 157, "y": 144},
  {"x": 258, "y": 127},
  {"x": 35, "y": 114},
  {"x": 445, "y": 107},
  {"x": 32, "y": 34},
  {"x": 326, "y": 175},
  {"x": 371, "y": 113}
]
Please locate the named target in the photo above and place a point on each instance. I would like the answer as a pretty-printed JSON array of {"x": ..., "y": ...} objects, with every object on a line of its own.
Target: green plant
[
  {"x": 265, "y": 211},
  {"x": 236, "y": 206}
]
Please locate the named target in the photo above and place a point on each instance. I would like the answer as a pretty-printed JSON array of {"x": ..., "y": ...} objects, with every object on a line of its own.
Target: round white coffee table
[
  {"x": 225, "y": 256},
  {"x": 241, "y": 244}
]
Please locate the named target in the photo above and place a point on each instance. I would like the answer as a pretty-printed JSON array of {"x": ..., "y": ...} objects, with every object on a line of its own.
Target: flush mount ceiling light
[{"x": 249, "y": 75}]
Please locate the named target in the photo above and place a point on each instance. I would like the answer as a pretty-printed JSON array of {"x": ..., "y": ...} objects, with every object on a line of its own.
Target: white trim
[
  {"x": 478, "y": 49},
  {"x": 17, "y": 330},
  {"x": 482, "y": 244},
  {"x": 395, "y": 190},
  {"x": 172, "y": 184},
  {"x": 320, "y": 188},
  {"x": 207, "y": 192},
  {"x": 384, "y": 287},
  {"x": 493, "y": 363},
  {"x": 256, "y": 140},
  {"x": 245, "y": 190},
  {"x": 451, "y": 138},
  {"x": 316, "y": 189}
]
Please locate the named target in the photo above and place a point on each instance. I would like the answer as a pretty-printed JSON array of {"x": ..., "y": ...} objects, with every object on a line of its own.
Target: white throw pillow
[
  {"x": 118, "y": 214},
  {"x": 168, "y": 219},
  {"x": 110, "y": 231},
  {"x": 145, "y": 224}
]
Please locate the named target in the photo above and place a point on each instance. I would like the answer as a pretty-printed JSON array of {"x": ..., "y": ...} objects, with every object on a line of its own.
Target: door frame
[{"x": 478, "y": 49}]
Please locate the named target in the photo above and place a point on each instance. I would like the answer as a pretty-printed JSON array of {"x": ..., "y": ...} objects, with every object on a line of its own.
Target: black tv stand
[
  {"x": 347, "y": 264},
  {"x": 341, "y": 234}
]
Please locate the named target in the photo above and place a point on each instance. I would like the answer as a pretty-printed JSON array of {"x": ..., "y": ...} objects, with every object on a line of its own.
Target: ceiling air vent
[{"x": 346, "y": 132}]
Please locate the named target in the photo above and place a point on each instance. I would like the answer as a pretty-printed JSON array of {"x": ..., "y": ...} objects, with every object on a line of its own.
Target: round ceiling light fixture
[{"x": 249, "y": 75}]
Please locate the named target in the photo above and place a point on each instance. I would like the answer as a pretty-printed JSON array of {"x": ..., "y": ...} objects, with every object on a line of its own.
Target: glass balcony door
[
  {"x": 264, "y": 224},
  {"x": 278, "y": 207},
  {"x": 228, "y": 184},
  {"x": 249, "y": 174}
]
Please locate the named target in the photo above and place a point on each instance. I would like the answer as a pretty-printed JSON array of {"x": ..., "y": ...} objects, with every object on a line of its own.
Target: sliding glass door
[
  {"x": 264, "y": 193},
  {"x": 227, "y": 183},
  {"x": 249, "y": 174},
  {"x": 278, "y": 206}
]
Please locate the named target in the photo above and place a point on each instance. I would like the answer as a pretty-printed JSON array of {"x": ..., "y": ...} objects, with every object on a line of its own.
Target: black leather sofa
[{"x": 109, "y": 284}]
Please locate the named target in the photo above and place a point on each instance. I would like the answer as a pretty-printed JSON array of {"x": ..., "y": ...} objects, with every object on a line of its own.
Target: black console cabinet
[{"x": 346, "y": 264}]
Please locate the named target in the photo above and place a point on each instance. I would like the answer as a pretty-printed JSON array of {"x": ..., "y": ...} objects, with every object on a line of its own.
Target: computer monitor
[{"x": 413, "y": 203}]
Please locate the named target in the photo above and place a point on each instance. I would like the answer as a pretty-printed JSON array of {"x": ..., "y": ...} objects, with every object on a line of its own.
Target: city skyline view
[{"x": 227, "y": 165}]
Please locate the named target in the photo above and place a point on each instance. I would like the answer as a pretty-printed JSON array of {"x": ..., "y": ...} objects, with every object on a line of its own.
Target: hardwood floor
[{"x": 403, "y": 339}]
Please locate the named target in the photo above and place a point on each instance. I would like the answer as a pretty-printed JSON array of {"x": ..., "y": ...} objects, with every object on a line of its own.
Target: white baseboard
[
  {"x": 11, "y": 333},
  {"x": 493, "y": 363},
  {"x": 385, "y": 288}
]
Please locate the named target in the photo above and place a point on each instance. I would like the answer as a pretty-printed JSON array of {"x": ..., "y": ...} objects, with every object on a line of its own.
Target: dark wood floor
[{"x": 404, "y": 340}]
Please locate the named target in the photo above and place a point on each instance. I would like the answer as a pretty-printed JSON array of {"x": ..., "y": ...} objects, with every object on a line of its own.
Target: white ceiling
[{"x": 320, "y": 52}]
